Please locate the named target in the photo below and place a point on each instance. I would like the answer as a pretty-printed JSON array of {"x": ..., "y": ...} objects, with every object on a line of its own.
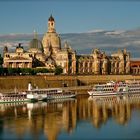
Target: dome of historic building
[
  {"x": 36, "y": 45},
  {"x": 51, "y": 38},
  {"x": 19, "y": 48}
]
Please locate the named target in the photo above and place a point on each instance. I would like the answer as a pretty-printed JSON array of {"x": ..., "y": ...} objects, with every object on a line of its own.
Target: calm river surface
[{"x": 80, "y": 118}]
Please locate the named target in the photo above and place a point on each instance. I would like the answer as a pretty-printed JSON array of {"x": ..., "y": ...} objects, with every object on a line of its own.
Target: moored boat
[
  {"x": 61, "y": 95},
  {"x": 115, "y": 88},
  {"x": 48, "y": 93},
  {"x": 13, "y": 97},
  {"x": 109, "y": 88}
]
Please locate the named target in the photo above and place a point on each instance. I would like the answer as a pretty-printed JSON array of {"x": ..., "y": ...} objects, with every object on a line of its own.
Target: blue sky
[{"x": 71, "y": 16}]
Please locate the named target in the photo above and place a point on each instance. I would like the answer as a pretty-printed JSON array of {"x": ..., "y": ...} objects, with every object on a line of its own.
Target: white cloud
[
  {"x": 117, "y": 32},
  {"x": 13, "y": 44},
  {"x": 96, "y": 31}
]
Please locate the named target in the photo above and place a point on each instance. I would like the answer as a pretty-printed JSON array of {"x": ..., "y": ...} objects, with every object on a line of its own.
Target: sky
[{"x": 71, "y": 16}]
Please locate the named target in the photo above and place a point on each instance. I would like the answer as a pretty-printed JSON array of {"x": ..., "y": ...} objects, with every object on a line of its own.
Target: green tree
[
  {"x": 26, "y": 71},
  {"x": 1, "y": 60},
  {"x": 58, "y": 70},
  {"x": 1, "y": 70}
]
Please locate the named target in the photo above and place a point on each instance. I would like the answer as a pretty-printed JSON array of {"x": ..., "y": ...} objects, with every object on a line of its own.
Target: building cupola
[
  {"x": 51, "y": 38},
  {"x": 51, "y": 24},
  {"x": 35, "y": 44},
  {"x": 51, "y": 18}
]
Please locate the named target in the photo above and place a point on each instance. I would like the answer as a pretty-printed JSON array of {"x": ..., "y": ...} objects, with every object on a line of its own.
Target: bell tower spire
[
  {"x": 51, "y": 24},
  {"x": 35, "y": 34}
]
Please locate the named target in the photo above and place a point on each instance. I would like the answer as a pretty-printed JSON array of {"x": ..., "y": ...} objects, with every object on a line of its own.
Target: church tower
[
  {"x": 51, "y": 37},
  {"x": 51, "y": 25}
]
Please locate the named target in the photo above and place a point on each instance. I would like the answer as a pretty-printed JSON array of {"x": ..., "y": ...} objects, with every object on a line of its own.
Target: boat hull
[
  {"x": 61, "y": 96},
  {"x": 112, "y": 93},
  {"x": 102, "y": 93},
  {"x": 119, "y": 88},
  {"x": 14, "y": 101}
]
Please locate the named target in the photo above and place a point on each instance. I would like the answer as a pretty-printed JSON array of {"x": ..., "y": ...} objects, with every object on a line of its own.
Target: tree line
[{"x": 29, "y": 71}]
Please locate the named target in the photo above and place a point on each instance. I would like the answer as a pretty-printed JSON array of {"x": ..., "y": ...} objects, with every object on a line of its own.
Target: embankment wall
[{"x": 8, "y": 83}]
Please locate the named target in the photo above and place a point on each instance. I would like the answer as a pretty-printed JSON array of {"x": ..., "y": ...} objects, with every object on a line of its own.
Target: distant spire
[
  {"x": 66, "y": 46},
  {"x": 5, "y": 50},
  {"x": 35, "y": 34}
]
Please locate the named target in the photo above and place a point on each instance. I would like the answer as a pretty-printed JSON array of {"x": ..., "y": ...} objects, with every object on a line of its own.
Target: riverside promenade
[
  {"x": 72, "y": 82},
  {"x": 80, "y": 90}
]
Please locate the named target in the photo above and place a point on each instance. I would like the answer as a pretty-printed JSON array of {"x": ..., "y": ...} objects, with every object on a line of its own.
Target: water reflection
[
  {"x": 50, "y": 119},
  {"x": 118, "y": 108}
]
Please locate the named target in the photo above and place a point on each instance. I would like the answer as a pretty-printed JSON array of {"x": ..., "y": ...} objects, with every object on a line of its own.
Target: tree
[
  {"x": 1, "y": 60},
  {"x": 1, "y": 70},
  {"x": 58, "y": 70}
]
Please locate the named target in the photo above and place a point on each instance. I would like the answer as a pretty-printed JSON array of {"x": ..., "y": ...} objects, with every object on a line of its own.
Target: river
[{"x": 82, "y": 117}]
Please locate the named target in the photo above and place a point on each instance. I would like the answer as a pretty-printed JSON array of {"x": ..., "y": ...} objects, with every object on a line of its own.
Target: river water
[{"x": 81, "y": 118}]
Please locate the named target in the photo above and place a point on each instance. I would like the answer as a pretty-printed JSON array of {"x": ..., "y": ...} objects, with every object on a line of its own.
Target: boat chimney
[{"x": 29, "y": 86}]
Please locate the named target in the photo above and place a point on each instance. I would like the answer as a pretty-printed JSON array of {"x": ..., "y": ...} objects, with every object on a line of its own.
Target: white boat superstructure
[
  {"x": 61, "y": 95},
  {"x": 132, "y": 87},
  {"x": 115, "y": 88},
  {"x": 47, "y": 94},
  {"x": 42, "y": 94},
  {"x": 35, "y": 95},
  {"x": 13, "y": 97},
  {"x": 106, "y": 89}
]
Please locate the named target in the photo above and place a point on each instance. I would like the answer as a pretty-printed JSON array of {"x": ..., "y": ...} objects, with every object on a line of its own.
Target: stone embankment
[
  {"x": 80, "y": 90},
  {"x": 9, "y": 83}
]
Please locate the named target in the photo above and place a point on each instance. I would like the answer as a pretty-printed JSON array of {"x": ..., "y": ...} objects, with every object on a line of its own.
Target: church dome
[
  {"x": 53, "y": 39},
  {"x": 36, "y": 44}
]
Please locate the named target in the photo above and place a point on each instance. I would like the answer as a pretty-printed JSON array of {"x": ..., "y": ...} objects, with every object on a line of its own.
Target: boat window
[{"x": 99, "y": 89}]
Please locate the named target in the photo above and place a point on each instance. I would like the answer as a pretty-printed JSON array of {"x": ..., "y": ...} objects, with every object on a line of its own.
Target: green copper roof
[{"x": 35, "y": 43}]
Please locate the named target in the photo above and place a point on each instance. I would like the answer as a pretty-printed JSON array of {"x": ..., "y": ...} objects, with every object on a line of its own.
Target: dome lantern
[
  {"x": 51, "y": 37},
  {"x": 51, "y": 18},
  {"x": 51, "y": 24}
]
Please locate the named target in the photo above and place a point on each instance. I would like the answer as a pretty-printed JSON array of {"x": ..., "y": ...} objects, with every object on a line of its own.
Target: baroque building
[
  {"x": 99, "y": 63},
  {"x": 49, "y": 53}
]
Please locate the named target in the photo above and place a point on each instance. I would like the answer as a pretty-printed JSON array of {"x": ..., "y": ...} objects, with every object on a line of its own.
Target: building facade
[
  {"x": 135, "y": 67},
  {"x": 49, "y": 53},
  {"x": 99, "y": 63}
]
